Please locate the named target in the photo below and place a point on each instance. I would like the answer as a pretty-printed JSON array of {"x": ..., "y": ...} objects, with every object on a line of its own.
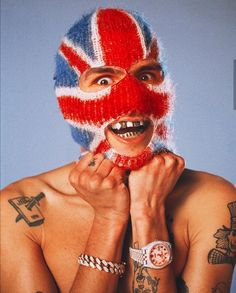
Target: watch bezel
[{"x": 147, "y": 251}]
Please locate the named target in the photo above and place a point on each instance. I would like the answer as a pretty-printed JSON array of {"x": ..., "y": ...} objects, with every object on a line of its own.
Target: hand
[
  {"x": 99, "y": 182},
  {"x": 150, "y": 185}
]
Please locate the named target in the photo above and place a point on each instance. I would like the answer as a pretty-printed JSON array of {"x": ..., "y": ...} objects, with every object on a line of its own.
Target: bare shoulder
[
  {"x": 23, "y": 208},
  {"x": 25, "y": 201},
  {"x": 207, "y": 201},
  {"x": 21, "y": 211},
  {"x": 203, "y": 189}
]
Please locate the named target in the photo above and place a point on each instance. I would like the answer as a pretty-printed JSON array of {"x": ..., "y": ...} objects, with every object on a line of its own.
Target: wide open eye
[
  {"x": 150, "y": 73},
  {"x": 104, "y": 81},
  {"x": 146, "y": 77}
]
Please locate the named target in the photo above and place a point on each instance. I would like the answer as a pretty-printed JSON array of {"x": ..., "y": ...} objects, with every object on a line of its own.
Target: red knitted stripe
[
  {"x": 103, "y": 147},
  {"x": 73, "y": 58},
  {"x": 162, "y": 131},
  {"x": 134, "y": 163},
  {"x": 154, "y": 50},
  {"x": 121, "y": 46},
  {"x": 126, "y": 96}
]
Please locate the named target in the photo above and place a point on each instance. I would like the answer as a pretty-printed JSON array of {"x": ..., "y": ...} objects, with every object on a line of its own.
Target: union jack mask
[{"x": 117, "y": 38}]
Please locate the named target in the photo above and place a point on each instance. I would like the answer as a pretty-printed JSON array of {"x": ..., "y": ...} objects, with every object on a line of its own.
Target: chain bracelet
[{"x": 101, "y": 264}]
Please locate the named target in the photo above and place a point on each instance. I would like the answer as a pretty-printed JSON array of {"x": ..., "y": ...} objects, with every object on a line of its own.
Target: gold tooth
[{"x": 123, "y": 124}]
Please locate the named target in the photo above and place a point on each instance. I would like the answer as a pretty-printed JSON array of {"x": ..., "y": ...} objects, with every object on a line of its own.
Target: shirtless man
[{"x": 72, "y": 229}]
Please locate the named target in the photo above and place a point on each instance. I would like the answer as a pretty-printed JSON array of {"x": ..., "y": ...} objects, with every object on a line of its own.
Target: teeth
[
  {"x": 129, "y": 134},
  {"x": 123, "y": 124},
  {"x": 129, "y": 124},
  {"x": 126, "y": 124},
  {"x": 117, "y": 126}
]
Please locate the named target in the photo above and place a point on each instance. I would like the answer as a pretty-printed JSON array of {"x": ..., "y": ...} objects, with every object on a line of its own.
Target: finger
[
  {"x": 181, "y": 163},
  {"x": 115, "y": 178},
  {"x": 170, "y": 160},
  {"x": 84, "y": 161},
  {"x": 95, "y": 162},
  {"x": 77, "y": 174},
  {"x": 178, "y": 161},
  {"x": 90, "y": 162},
  {"x": 118, "y": 174},
  {"x": 105, "y": 168}
]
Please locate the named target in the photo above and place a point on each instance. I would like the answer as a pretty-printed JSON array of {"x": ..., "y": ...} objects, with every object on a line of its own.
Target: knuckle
[
  {"x": 159, "y": 160},
  {"x": 170, "y": 160},
  {"x": 83, "y": 178},
  {"x": 73, "y": 177},
  {"x": 118, "y": 171},
  {"x": 110, "y": 182},
  {"x": 181, "y": 162},
  {"x": 94, "y": 181}
]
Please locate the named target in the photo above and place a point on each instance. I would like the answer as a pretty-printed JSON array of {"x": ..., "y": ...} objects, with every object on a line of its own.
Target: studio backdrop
[{"x": 199, "y": 43}]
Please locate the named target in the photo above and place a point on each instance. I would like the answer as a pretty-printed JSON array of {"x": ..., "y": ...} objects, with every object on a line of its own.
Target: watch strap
[
  {"x": 142, "y": 255},
  {"x": 137, "y": 255}
]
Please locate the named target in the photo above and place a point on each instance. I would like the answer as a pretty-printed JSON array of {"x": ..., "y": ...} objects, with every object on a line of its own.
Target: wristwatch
[{"x": 155, "y": 255}]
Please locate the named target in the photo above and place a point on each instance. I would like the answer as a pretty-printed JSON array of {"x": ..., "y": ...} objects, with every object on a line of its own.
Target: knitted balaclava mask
[{"x": 111, "y": 37}]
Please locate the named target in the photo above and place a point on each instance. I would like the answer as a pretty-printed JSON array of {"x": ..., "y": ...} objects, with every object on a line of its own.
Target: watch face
[{"x": 160, "y": 255}]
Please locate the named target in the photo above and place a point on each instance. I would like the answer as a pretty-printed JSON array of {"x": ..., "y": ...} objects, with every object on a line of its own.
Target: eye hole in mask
[{"x": 98, "y": 78}]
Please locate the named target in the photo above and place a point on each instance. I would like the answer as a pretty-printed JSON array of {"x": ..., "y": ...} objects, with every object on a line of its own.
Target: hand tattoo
[
  {"x": 225, "y": 251},
  {"x": 92, "y": 163},
  {"x": 143, "y": 281},
  {"x": 28, "y": 209}
]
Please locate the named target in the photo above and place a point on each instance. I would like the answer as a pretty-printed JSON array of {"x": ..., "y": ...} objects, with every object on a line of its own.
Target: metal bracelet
[{"x": 101, "y": 264}]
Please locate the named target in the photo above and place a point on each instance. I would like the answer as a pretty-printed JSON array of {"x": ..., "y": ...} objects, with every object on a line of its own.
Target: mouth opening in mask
[
  {"x": 130, "y": 136},
  {"x": 129, "y": 129}
]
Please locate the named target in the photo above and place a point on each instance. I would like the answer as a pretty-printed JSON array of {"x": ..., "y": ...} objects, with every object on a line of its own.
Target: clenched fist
[
  {"x": 150, "y": 185},
  {"x": 99, "y": 182}
]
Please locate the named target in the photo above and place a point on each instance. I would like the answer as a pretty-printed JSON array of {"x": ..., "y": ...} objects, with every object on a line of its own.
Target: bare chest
[{"x": 65, "y": 236}]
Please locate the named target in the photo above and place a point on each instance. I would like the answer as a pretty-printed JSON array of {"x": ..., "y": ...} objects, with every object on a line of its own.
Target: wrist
[
  {"x": 111, "y": 218},
  {"x": 149, "y": 225},
  {"x": 147, "y": 212}
]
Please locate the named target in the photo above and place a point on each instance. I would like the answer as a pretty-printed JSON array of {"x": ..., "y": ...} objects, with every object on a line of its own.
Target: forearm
[
  {"x": 105, "y": 242},
  {"x": 148, "y": 226}
]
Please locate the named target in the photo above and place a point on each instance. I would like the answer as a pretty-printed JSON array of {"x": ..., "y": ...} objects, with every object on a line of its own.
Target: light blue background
[{"x": 200, "y": 41}]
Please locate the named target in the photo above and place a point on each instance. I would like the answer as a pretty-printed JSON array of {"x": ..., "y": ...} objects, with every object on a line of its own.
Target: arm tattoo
[
  {"x": 28, "y": 209},
  {"x": 220, "y": 287},
  {"x": 181, "y": 286},
  {"x": 143, "y": 282},
  {"x": 225, "y": 251}
]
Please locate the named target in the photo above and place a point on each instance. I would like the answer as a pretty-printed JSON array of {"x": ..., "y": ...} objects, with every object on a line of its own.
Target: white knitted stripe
[
  {"x": 79, "y": 51},
  {"x": 165, "y": 87},
  {"x": 98, "y": 138},
  {"x": 76, "y": 92},
  {"x": 140, "y": 34},
  {"x": 96, "y": 41}
]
